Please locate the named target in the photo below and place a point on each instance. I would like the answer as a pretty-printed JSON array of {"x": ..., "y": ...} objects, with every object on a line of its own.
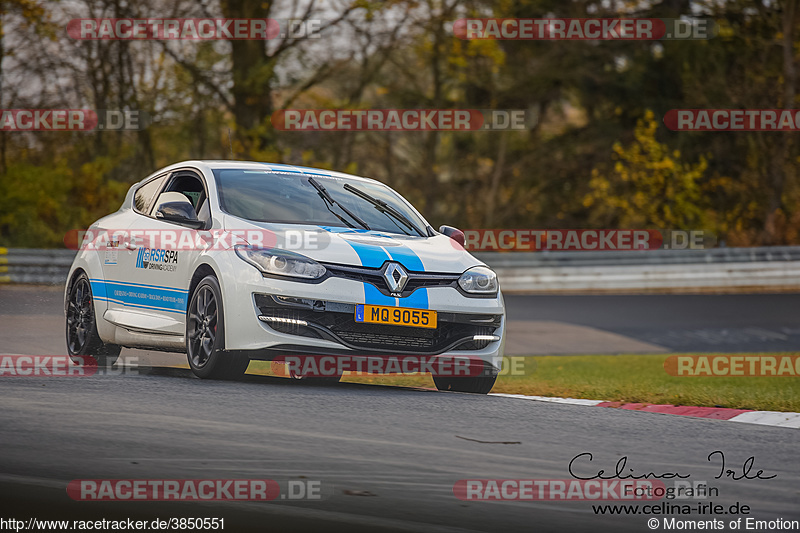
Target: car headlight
[
  {"x": 281, "y": 262},
  {"x": 478, "y": 280}
]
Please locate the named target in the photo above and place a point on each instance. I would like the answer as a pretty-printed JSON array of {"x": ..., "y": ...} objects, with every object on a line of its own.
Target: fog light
[
  {"x": 282, "y": 320},
  {"x": 485, "y": 338}
]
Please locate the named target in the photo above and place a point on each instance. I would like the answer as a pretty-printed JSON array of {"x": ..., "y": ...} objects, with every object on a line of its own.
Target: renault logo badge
[{"x": 396, "y": 277}]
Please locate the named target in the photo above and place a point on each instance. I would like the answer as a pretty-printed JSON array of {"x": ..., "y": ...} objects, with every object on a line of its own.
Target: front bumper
[
  {"x": 334, "y": 321},
  {"x": 319, "y": 319}
]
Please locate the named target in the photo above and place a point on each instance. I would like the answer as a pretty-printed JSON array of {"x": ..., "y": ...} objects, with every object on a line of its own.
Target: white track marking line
[
  {"x": 573, "y": 401},
  {"x": 769, "y": 418}
]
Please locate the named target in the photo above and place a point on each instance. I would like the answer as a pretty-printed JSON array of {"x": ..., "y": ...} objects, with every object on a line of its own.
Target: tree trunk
[
  {"x": 782, "y": 163},
  {"x": 252, "y": 74}
]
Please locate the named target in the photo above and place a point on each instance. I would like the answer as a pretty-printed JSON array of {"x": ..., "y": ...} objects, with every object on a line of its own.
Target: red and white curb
[{"x": 765, "y": 418}]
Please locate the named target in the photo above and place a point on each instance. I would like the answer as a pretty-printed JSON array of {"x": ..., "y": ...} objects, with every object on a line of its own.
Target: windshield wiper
[
  {"x": 329, "y": 199},
  {"x": 383, "y": 207}
]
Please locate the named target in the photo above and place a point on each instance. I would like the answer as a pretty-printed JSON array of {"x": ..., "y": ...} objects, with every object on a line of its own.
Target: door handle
[{"x": 129, "y": 245}]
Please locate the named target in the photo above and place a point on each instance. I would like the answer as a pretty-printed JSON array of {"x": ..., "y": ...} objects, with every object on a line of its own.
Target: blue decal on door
[{"x": 142, "y": 296}]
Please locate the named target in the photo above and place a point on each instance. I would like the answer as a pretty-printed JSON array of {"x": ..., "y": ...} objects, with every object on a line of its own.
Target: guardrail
[
  {"x": 29, "y": 265},
  {"x": 715, "y": 269},
  {"x": 638, "y": 257},
  {"x": 773, "y": 268}
]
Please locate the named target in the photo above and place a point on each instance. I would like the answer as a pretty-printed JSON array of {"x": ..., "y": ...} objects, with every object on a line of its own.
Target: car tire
[
  {"x": 205, "y": 335},
  {"x": 481, "y": 384},
  {"x": 81, "y": 327}
]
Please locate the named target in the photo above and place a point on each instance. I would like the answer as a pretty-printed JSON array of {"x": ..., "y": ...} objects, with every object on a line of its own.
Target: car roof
[{"x": 270, "y": 167}]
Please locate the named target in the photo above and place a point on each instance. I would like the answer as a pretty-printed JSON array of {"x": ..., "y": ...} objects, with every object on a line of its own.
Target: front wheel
[
  {"x": 205, "y": 335},
  {"x": 81, "y": 327}
]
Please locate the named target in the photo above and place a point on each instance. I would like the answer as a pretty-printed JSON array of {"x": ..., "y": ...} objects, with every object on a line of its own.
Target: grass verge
[{"x": 624, "y": 378}]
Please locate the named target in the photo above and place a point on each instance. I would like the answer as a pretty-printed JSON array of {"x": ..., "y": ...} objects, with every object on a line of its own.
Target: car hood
[{"x": 360, "y": 247}]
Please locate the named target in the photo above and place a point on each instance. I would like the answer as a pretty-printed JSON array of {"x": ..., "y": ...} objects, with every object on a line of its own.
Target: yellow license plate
[{"x": 396, "y": 316}]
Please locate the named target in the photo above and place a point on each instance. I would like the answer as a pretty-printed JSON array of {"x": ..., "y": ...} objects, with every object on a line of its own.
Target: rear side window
[{"x": 146, "y": 195}]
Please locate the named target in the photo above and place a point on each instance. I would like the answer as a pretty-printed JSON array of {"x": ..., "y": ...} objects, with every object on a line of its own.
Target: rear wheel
[
  {"x": 474, "y": 384},
  {"x": 205, "y": 335},
  {"x": 81, "y": 327}
]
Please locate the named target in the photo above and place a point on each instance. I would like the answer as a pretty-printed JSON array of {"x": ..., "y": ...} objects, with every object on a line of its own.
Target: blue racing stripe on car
[
  {"x": 373, "y": 296},
  {"x": 98, "y": 289},
  {"x": 297, "y": 170},
  {"x": 134, "y": 295},
  {"x": 417, "y": 299},
  {"x": 284, "y": 168},
  {"x": 411, "y": 261},
  {"x": 314, "y": 171},
  {"x": 370, "y": 256},
  {"x": 406, "y": 257},
  {"x": 373, "y": 256},
  {"x": 131, "y": 284}
]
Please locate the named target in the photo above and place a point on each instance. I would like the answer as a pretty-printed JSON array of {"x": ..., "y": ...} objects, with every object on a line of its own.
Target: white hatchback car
[{"x": 230, "y": 261}]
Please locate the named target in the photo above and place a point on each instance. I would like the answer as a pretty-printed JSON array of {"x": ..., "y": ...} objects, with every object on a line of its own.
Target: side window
[
  {"x": 146, "y": 195},
  {"x": 192, "y": 188}
]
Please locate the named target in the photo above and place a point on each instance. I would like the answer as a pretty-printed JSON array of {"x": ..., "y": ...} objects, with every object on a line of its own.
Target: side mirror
[
  {"x": 455, "y": 234},
  {"x": 180, "y": 213}
]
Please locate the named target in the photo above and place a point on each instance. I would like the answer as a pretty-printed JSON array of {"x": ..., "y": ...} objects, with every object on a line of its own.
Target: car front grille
[
  {"x": 367, "y": 339},
  {"x": 373, "y": 276},
  {"x": 336, "y": 321}
]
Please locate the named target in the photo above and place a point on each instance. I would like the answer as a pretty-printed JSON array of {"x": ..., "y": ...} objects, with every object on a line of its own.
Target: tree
[{"x": 648, "y": 186}]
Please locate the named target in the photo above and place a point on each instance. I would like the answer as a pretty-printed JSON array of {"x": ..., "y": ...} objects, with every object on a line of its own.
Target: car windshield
[{"x": 289, "y": 198}]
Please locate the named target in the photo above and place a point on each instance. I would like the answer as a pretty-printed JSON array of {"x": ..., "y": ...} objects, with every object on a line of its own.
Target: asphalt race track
[
  {"x": 680, "y": 323},
  {"x": 387, "y": 458}
]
